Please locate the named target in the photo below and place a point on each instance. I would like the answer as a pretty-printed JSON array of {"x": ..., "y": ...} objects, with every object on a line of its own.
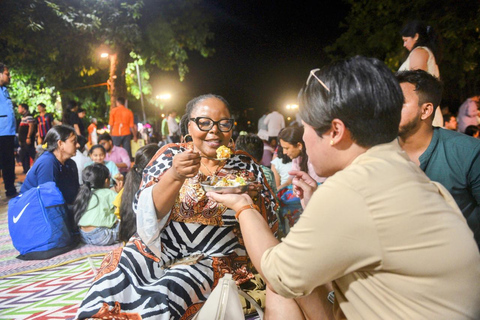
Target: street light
[{"x": 164, "y": 96}]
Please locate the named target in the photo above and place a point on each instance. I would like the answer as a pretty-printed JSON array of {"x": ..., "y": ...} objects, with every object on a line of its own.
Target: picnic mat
[
  {"x": 10, "y": 265},
  {"x": 53, "y": 293}
]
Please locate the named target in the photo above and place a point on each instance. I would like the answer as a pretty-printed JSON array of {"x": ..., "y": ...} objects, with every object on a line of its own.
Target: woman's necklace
[{"x": 211, "y": 173}]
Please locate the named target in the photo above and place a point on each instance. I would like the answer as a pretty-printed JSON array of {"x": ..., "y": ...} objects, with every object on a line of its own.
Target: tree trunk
[{"x": 117, "y": 84}]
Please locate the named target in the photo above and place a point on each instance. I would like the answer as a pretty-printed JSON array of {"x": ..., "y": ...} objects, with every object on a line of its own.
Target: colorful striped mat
[
  {"x": 10, "y": 265},
  {"x": 53, "y": 293}
]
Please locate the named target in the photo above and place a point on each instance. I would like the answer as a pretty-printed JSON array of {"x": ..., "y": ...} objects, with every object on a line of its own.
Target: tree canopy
[
  {"x": 372, "y": 28},
  {"x": 60, "y": 41}
]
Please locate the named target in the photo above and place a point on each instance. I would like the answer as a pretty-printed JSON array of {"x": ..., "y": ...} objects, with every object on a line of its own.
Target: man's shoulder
[
  {"x": 123, "y": 109},
  {"x": 119, "y": 150},
  {"x": 457, "y": 140}
]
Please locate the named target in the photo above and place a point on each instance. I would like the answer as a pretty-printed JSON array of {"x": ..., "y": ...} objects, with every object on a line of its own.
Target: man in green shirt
[{"x": 446, "y": 156}]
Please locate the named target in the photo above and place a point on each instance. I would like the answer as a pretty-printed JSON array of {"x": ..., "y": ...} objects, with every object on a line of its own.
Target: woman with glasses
[
  {"x": 377, "y": 228},
  {"x": 185, "y": 242}
]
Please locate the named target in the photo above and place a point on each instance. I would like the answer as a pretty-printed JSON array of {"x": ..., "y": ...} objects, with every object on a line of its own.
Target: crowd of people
[{"x": 365, "y": 207}]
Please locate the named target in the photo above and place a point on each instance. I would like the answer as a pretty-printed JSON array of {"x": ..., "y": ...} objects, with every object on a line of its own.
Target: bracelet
[{"x": 249, "y": 206}]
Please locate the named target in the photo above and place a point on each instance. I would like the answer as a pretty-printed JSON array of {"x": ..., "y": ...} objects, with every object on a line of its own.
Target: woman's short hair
[
  {"x": 192, "y": 104},
  {"x": 362, "y": 92}
]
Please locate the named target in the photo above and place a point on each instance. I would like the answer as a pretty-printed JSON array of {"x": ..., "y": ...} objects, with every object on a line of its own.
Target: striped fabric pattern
[{"x": 134, "y": 282}]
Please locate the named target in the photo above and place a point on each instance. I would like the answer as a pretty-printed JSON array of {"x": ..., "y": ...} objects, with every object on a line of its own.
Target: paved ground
[{"x": 20, "y": 176}]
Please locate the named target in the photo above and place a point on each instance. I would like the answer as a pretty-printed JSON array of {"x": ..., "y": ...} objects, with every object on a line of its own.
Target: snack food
[
  {"x": 224, "y": 152},
  {"x": 225, "y": 182},
  {"x": 226, "y": 185}
]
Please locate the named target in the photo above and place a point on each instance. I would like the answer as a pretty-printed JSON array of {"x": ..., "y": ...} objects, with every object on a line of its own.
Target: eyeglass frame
[
  {"x": 312, "y": 73},
  {"x": 213, "y": 123}
]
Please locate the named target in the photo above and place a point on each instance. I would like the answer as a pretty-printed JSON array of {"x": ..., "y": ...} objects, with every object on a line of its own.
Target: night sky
[{"x": 264, "y": 51}]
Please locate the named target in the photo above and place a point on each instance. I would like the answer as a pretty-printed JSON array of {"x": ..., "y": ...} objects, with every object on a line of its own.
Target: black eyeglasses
[{"x": 206, "y": 124}]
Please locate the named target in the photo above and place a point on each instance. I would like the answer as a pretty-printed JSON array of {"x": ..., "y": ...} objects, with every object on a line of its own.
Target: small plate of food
[{"x": 226, "y": 185}]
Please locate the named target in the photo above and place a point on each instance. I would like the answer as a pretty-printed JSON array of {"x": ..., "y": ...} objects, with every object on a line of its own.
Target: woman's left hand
[{"x": 232, "y": 201}]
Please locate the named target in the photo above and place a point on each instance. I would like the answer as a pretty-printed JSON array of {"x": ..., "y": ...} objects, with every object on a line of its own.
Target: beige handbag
[{"x": 224, "y": 303}]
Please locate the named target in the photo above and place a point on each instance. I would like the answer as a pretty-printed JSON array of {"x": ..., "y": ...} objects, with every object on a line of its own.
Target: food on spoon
[{"x": 224, "y": 152}]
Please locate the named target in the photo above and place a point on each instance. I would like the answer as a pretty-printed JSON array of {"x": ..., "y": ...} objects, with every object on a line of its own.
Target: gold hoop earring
[
  {"x": 186, "y": 136},
  {"x": 231, "y": 144}
]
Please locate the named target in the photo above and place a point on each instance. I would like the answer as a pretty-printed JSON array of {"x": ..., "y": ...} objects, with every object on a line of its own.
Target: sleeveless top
[{"x": 432, "y": 68}]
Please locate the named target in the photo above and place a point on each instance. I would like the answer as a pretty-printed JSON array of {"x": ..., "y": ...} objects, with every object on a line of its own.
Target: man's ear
[
  {"x": 428, "y": 110},
  {"x": 338, "y": 130}
]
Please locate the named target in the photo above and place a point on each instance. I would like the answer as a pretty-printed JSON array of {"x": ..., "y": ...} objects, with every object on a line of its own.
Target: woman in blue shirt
[{"x": 54, "y": 163}]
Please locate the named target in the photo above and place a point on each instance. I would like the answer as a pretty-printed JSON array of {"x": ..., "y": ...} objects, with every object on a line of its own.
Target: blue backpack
[{"x": 38, "y": 223}]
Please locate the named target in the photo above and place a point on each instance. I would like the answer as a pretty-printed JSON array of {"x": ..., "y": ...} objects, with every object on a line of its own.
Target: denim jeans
[{"x": 101, "y": 236}]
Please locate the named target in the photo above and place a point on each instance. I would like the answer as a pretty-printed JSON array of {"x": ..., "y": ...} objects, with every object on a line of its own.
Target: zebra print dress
[{"x": 170, "y": 267}]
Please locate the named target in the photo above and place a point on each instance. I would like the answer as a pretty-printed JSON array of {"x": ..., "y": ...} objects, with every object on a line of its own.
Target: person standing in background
[
  {"x": 44, "y": 122},
  {"x": 164, "y": 129},
  {"x": 173, "y": 128},
  {"x": 421, "y": 41},
  {"x": 274, "y": 122},
  {"x": 81, "y": 125},
  {"x": 71, "y": 118},
  {"x": 122, "y": 126},
  {"x": 468, "y": 113},
  {"x": 92, "y": 132},
  {"x": 7, "y": 134},
  {"x": 261, "y": 123},
  {"x": 26, "y": 137}
]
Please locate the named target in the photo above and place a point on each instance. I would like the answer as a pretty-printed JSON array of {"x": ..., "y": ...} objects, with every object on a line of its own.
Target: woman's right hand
[
  {"x": 186, "y": 165},
  {"x": 303, "y": 186}
]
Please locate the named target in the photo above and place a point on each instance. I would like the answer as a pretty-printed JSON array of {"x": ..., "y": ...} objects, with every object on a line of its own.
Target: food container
[{"x": 234, "y": 189}]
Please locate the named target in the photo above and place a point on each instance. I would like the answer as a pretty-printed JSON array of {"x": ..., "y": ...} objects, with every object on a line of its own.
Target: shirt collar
[{"x": 425, "y": 157}]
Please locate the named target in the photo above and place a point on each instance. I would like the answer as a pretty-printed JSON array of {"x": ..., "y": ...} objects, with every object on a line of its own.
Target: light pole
[{"x": 141, "y": 92}]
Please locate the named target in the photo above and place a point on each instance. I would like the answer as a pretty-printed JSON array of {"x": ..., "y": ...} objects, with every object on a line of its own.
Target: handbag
[{"x": 224, "y": 303}]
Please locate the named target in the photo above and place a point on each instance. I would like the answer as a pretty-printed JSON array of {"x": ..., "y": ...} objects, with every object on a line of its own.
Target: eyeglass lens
[{"x": 206, "y": 124}]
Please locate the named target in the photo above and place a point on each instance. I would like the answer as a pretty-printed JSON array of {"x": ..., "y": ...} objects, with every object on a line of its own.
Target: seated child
[
  {"x": 97, "y": 154},
  {"x": 93, "y": 208}
]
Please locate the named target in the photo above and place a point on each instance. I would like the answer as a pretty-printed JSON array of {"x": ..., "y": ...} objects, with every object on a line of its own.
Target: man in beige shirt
[{"x": 393, "y": 243}]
